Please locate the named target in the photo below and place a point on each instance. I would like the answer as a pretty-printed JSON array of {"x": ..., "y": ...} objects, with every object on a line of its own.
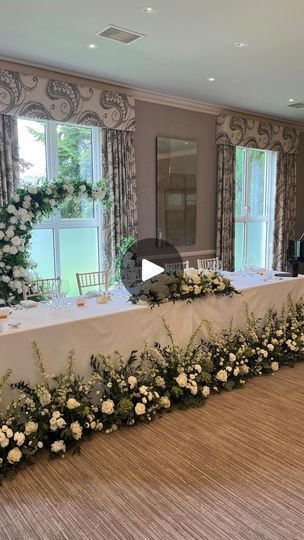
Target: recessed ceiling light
[
  {"x": 291, "y": 100},
  {"x": 148, "y": 10},
  {"x": 241, "y": 44},
  {"x": 91, "y": 46},
  {"x": 211, "y": 79}
]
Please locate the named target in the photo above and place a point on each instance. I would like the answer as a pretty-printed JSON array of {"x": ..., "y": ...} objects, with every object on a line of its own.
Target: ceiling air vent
[
  {"x": 120, "y": 34},
  {"x": 299, "y": 105}
]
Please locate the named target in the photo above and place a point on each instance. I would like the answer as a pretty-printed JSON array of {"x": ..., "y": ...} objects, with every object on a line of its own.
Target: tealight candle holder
[
  {"x": 80, "y": 301},
  {"x": 4, "y": 313}
]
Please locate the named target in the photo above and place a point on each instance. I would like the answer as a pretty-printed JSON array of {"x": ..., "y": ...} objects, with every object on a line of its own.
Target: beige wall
[{"x": 154, "y": 120}]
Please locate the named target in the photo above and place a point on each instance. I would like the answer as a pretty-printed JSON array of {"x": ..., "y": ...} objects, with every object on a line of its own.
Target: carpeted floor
[{"x": 230, "y": 470}]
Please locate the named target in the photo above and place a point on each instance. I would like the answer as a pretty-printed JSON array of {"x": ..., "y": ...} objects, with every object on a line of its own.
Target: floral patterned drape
[
  {"x": 9, "y": 157},
  {"x": 225, "y": 205},
  {"x": 52, "y": 99},
  {"x": 285, "y": 209},
  {"x": 232, "y": 131},
  {"x": 119, "y": 167}
]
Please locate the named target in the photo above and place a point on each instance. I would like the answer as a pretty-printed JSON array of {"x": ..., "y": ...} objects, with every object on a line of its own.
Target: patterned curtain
[
  {"x": 9, "y": 157},
  {"x": 225, "y": 205},
  {"x": 285, "y": 209},
  {"x": 119, "y": 167},
  {"x": 232, "y": 131}
]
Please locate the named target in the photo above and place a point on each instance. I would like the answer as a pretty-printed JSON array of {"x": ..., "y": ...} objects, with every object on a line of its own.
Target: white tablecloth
[{"x": 124, "y": 327}]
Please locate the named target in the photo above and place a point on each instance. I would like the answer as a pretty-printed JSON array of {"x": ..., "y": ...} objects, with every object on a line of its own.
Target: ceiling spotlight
[
  {"x": 241, "y": 44},
  {"x": 291, "y": 100},
  {"x": 91, "y": 46},
  {"x": 211, "y": 79},
  {"x": 148, "y": 10}
]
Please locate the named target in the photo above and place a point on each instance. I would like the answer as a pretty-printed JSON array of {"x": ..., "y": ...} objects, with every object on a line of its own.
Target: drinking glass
[{"x": 64, "y": 291}]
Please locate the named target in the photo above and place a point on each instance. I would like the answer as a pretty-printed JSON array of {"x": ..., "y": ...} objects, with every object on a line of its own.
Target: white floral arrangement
[
  {"x": 187, "y": 284},
  {"x": 60, "y": 412},
  {"x": 27, "y": 208}
]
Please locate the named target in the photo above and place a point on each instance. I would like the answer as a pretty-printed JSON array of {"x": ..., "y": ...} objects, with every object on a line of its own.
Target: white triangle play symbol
[{"x": 149, "y": 269}]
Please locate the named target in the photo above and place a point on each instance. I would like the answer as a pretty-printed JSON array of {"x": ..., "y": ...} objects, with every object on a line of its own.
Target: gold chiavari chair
[{"x": 88, "y": 280}]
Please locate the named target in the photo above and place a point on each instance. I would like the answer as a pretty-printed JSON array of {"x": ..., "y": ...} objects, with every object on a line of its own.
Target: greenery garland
[
  {"x": 59, "y": 414},
  {"x": 28, "y": 207}
]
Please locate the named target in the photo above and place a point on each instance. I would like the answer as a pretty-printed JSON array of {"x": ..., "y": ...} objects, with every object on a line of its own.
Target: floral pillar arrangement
[{"x": 28, "y": 207}]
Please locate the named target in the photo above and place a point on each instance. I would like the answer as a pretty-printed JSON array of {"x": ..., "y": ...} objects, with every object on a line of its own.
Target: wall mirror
[{"x": 176, "y": 164}]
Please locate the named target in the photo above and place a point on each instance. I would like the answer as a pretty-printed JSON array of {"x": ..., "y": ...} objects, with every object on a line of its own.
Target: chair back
[
  {"x": 87, "y": 280},
  {"x": 208, "y": 264},
  {"x": 175, "y": 267},
  {"x": 41, "y": 287}
]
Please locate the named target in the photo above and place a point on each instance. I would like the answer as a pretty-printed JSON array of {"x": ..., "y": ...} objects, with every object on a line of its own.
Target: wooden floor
[{"x": 233, "y": 469}]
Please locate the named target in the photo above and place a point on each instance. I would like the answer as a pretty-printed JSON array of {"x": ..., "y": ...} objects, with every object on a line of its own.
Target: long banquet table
[{"x": 121, "y": 326}]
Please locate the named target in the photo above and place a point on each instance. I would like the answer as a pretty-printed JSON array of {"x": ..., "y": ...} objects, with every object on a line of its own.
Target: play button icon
[
  {"x": 145, "y": 260},
  {"x": 149, "y": 270}
]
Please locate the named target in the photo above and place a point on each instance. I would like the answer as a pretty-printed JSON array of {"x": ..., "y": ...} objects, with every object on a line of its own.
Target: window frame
[
  {"x": 56, "y": 223},
  {"x": 269, "y": 201}
]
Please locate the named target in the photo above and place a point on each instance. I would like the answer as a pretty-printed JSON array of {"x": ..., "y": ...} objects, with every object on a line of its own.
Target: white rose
[
  {"x": 72, "y": 403},
  {"x": 270, "y": 347},
  {"x": 56, "y": 414},
  {"x": 14, "y": 250},
  {"x": 140, "y": 408},
  {"x": 32, "y": 190},
  {"x": 143, "y": 390},
  {"x": 236, "y": 371},
  {"x": 1, "y": 235},
  {"x": 30, "y": 427},
  {"x": 165, "y": 402},
  {"x": 58, "y": 446},
  {"x": 181, "y": 380},
  {"x": 76, "y": 430},
  {"x": 4, "y": 442},
  {"x": 206, "y": 391},
  {"x": 132, "y": 382},
  {"x": 61, "y": 423},
  {"x": 11, "y": 209},
  {"x": 19, "y": 438},
  {"x": 222, "y": 375},
  {"x": 14, "y": 455},
  {"x": 198, "y": 368},
  {"x": 232, "y": 357},
  {"x": 9, "y": 433},
  {"x": 274, "y": 366},
  {"x": 16, "y": 240},
  {"x": 193, "y": 388},
  {"x": 107, "y": 406}
]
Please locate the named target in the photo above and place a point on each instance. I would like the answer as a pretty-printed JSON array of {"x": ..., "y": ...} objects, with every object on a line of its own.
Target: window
[
  {"x": 254, "y": 207},
  {"x": 71, "y": 240}
]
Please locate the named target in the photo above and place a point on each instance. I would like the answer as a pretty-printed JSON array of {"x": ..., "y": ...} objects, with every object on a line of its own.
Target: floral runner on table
[{"x": 187, "y": 284}]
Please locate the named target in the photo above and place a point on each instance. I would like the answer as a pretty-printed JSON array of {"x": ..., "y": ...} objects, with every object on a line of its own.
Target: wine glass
[{"x": 64, "y": 288}]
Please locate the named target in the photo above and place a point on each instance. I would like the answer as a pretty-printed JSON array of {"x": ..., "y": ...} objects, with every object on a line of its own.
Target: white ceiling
[{"x": 186, "y": 42}]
